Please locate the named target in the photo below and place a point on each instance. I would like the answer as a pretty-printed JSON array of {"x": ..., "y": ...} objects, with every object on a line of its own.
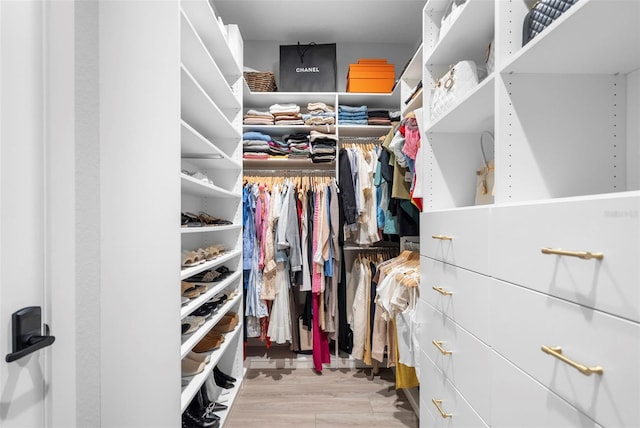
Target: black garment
[
  {"x": 345, "y": 334},
  {"x": 407, "y": 216},
  {"x": 386, "y": 170},
  {"x": 346, "y": 188}
]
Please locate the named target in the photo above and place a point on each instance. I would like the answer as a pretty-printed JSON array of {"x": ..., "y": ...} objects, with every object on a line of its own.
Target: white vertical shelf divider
[{"x": 211, "y": 103}]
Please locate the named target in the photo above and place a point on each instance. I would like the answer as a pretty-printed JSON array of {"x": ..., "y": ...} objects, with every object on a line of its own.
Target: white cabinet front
[
  {"x": 518, "y": 401},
  {"x": 564, "y": 346},
  {"x": 458, "y": 293},
  {"x": 442, "y": 401},
  {"x": 461, "y": 357},
  {"x": 555, "y": 247},
  {"x": 458, "y": 237}
]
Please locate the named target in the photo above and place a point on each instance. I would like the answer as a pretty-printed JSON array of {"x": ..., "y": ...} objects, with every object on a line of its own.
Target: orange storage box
[{"x": 371, "y": 75}]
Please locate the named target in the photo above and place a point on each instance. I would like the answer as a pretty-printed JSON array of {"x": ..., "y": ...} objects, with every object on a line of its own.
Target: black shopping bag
[{"x": 308, "y": 68}]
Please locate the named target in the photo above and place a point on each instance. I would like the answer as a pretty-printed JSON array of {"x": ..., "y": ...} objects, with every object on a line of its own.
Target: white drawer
[
  {"x": 468, "y": 303},
  {"x": 461, "y": 237},
  {"x": 522, "y": 321},
  {"x": 434, "y": 386},
  {"x": 608, "y": 224},
  {"x": 518, "y": 401},
  {"x": 463, "y": 359}
]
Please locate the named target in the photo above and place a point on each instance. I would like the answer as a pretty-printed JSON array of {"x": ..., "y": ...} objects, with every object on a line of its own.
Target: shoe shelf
[
  {"x": 199, "y": 110},
  {"x": 194, "y": 145},
  {"x": 190, "y": 271},
  {"x": 207, "y": 229},
  {"x": 204, "y": 22},
  {"x": 190, "y": 390},
  {"x": 212, "y": 292},
  {"x": 473, "y": 113},
  {"x": 191, "y": 340},
  {"x": 596, "y": 51},
  {"x": 197, "y": 60},
  {"x": 196, "y": 187},
  {"x": 230, "y": 398}
]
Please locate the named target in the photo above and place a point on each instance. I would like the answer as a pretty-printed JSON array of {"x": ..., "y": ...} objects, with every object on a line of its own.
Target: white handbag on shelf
[
  {"x": 459, "y": 80},
  {"x": 451, "y": 13}
]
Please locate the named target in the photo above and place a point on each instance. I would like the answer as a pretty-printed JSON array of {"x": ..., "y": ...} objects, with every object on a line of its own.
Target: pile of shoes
[
  {"x": 193, "y": 364},
  {"x": 200, "y": 283},
  {"x": 191, "y": 258},
  {"x": 201, "y": 412},
  {"x": 188, "y": 219}
]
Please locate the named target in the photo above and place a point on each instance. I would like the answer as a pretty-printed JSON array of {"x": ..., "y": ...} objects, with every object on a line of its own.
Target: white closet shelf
[
  {"x": 284, "y": 130},
  {"x": 468, "y": 38},
  {"x": 194, "y": 145},
  {"x": 191, "y": 340},
  {"x": 274, "y": 163},
  {"x": 262, "y": 100},
  {"x": 414, "y": 103},
  {"x": 215, "y": 290},
  {"x": 198, "y": 110},
  {"x": 201, "y": 15},
  {"x": 190, "y": 390},
  {"x": 209, "y": 229},
  {"x": 198, "y": 61},
  {"x": 218, "y": 261},
  {"x": 371, "y": 100},
  {"x": 363, "y": 130},
  {"x": 572, "y": 44},
  {"x": 196, "y": 187},
  {"x": 413, "y": 70},
  {"x": 473, "y": 113}
]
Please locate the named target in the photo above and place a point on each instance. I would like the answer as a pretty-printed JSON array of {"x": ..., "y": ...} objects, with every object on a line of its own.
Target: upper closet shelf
[
  {"x": 371, "y": 100},
  {"x": 413, "y": 70},
  {"x": 207, "y": 229},
  {"x": 262, "y": 100},
  {"x": 363, "y": 130},
  {"x": 199, "y": 111},
  {"x": 281, "y": 130},
  {"x": 468, "y": 37},
  {"x": 195, "y": 146},
  {"x": 203, "y": 68},
  {"x": 576, "y": 44},
  {"x": 284, "y": 163},
  {"x": 204, "y": 21},
  {"x": 414, "y": 103},
  {"x": 196, "y": 187},
  {"x": 471, "y": 114}
]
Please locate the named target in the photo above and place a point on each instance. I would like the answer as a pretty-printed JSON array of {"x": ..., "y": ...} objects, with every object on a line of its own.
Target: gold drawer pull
[
  {"x": 438, "y": 344},
  {"x": 442, "y": 291},
  {"x": 442, "y": 237},
  {"x": 557, "y": 352},
  {"x": 586, "y": 255},
  {"x": 442, "y": 413}
]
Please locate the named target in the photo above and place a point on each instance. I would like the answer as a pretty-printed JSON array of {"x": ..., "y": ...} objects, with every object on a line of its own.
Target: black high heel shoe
[{"x": 224, "y": 375}]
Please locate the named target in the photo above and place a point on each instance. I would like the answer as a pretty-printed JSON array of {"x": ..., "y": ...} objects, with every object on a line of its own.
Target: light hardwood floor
[{"x": 336, "y": 398}]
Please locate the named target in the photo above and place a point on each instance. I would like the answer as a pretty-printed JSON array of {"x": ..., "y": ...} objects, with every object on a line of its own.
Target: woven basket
[{"x": 260, "y": 81}]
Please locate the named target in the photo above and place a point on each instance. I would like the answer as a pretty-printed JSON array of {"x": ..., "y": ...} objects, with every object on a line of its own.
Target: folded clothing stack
[
  {"x": 323, "y": 147},
  {"x": 352, "y": 115},
  {"x": 278, "y": 148},
  {"x": 286, "y": 114},
  {"x": 378, "y": 117},
  {"x": 255, "y": 142},
  {"x": 255, "y": 117},
  {"x": 319, "y": 114},
  {"x": 298, "y": 145},
  {"x": 395, "y": 116}
]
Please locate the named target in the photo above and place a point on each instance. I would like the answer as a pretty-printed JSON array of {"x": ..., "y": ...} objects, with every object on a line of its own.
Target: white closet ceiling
[{"x": 326, "y": 21}]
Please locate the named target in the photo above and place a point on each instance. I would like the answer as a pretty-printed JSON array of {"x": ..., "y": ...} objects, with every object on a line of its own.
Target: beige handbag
[
  {"x": 485, "y": 175},
  {"x": 306, "y": 336}
]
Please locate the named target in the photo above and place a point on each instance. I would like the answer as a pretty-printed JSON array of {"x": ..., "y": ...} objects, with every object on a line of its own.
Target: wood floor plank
[{"x": 335, "y": 398}]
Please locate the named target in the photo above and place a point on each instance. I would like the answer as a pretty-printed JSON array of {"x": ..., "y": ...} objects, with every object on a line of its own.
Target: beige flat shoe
[{"x": 191, "y": 368}]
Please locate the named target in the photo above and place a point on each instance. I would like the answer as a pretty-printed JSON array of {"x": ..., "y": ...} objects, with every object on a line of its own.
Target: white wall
[
  {"x": 139, "y": 213},
  {"x": 265, "y": 56}
]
